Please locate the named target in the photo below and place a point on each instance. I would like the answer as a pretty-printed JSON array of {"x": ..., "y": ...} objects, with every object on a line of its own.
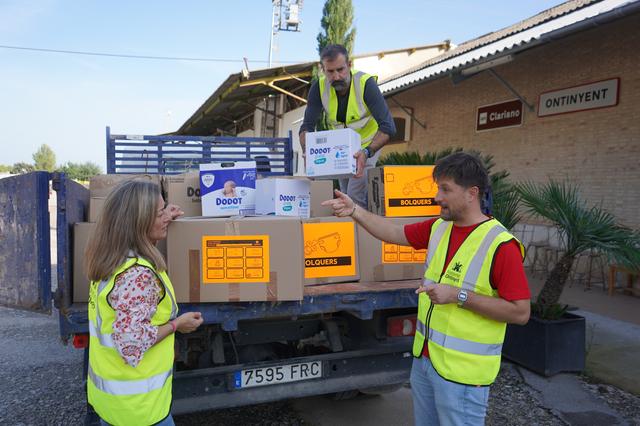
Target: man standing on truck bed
[
  {"x": 351, "y": 99},
  {"x": 474, "y": 284}
]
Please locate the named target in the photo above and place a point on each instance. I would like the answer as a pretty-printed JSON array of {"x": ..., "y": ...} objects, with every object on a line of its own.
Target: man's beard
[
  {"x": 340, "y": 85},
  {"x": 448, "y": 215}
]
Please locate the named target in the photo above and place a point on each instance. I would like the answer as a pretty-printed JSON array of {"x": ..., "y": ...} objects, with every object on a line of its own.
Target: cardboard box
[
  {"x": 321, "y": 190},
  {"x": 380, "y": 261},
  {"x": 330, "y": 250},
  {"x": 101, "y": 185},
  {"x": 228, "y": 189},
  {"x": 81, "y": 233},
  {"x": 283, "y": 196},
  {"x": 184, "y": 191},
  {"x": 402, "y": 191},
  {"x": 236, "y": 259},
  {"x": 329, "y": 154},
  {"x": 95, "y": 207}
]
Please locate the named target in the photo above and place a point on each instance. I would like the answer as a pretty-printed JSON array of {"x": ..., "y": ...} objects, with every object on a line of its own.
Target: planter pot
[{"x": 547, "y": 347}]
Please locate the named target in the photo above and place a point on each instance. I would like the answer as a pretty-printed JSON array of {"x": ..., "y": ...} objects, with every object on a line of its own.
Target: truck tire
[{"x": 381, "y": 390}]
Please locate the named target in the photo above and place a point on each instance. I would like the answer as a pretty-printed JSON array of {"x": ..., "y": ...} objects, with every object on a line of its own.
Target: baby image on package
[{"x": 228, "y": 189}]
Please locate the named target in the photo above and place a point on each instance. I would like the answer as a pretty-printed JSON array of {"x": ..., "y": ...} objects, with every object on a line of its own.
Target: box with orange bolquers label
[
  {"x": 237, "y": 259},
  {"x": 380, "y": 261},
  {"x": 402, "y": 191},
  {"x": 330, "y": 250}
]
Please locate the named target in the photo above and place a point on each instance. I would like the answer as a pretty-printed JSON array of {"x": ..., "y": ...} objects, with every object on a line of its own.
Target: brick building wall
[{"x": 598, "y": 149}]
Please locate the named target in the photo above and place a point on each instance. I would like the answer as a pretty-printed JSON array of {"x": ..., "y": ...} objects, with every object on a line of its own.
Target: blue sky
[{"x": 66, "y": 101}]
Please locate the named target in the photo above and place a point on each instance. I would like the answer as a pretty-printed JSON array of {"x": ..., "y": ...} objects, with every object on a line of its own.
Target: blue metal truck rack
[{"x": 340, "y": 327}]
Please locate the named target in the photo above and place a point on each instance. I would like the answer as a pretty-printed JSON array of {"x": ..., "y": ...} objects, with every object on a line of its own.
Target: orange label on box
[
  {"x": 393, "y": 253},
  {"x": 329, "y": 249},
  {"x": 410, "y": 191},
  {"x": 235, "y": 259}
]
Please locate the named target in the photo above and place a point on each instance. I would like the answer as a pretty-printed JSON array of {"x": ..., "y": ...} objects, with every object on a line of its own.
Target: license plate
[{"x": 252, "y": 377}]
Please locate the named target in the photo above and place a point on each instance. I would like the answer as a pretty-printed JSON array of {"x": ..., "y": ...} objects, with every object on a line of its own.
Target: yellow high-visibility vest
[
  {"x": 358, "y": 116},
  {"x": 464, "y": 346},
  {"x": 119, "y": 393}
]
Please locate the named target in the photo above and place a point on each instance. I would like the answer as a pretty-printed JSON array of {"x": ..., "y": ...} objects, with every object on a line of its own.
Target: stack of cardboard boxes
[
  {"x": 404, "y": 195},
  {"x": 284, "y": 239}
]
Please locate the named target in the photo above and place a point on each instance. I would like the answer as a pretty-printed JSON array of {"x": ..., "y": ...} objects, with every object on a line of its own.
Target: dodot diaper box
[
  {"x": 283, "y": 196},
  {"x": 329, "y": 153},
  {"x": 228, "y": 189}
]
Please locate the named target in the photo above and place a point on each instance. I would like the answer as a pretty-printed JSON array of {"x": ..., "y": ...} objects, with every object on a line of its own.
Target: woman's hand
[
  {"x": 189, "y": 322},
  {"x": 174, "y": 211}
]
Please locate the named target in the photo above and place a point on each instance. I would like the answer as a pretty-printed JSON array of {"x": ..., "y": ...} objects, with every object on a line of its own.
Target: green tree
[
  {"x": 581, "y": 228},
  {"x": 5, "y": 168},
  {"x": 336, "y": 23},
  {"x": 20, "y": 168},
  {"x": 44, "y": 158},
  {"x": 80, "y": 171}
]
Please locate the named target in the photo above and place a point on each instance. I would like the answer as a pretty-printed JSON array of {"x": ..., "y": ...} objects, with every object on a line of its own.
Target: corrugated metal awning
[{"x": 491, "y": 46}]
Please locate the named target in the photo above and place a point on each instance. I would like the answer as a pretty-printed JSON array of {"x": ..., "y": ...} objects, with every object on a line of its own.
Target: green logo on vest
[{"x": 453, "y": 272}]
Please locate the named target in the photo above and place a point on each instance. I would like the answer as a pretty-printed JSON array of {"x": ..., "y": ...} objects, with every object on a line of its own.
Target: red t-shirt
[{"x": 507, "y": 271}]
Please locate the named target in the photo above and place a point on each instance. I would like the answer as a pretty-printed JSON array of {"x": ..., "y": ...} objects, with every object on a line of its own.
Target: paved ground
[
  {"x": 613, "y": 333},
  {"x": 613, "y": 351},
  {"x": 41, "y": 384}
]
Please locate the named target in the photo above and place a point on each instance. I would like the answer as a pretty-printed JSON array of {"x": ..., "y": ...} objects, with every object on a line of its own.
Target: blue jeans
[
  {"x": 437, "y": 401},
  {"x": 168, "y": 421}
]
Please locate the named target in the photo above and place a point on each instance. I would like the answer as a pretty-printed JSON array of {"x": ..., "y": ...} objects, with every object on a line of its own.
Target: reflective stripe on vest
[
  {"x": 421, "y": 327},
  {"x": 105, "y": 339},
  {"x": 94, "y": 328},
  {"x": 363, "y": 122},
  {"x": 129, "y": 387},
  {"x": 434, "y": 242},
  {"x": 462, "y": 345},
  {"x": 473, "y": 272},
  {"x": 436, "y": 236}
]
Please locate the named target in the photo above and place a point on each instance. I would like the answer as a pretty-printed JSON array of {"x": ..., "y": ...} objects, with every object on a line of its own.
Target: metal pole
[
  {"x": 273, "y": 23},
  {"x": 511, "y": 89}
]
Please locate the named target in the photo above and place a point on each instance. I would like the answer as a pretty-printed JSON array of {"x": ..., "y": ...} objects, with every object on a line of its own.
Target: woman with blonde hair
[{"x": 132, "y": 309}]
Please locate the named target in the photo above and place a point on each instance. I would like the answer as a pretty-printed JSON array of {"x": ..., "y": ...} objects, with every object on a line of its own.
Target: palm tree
[
  {"x": 505, "y": 197},
  {"x": 580, "y": 228}
]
